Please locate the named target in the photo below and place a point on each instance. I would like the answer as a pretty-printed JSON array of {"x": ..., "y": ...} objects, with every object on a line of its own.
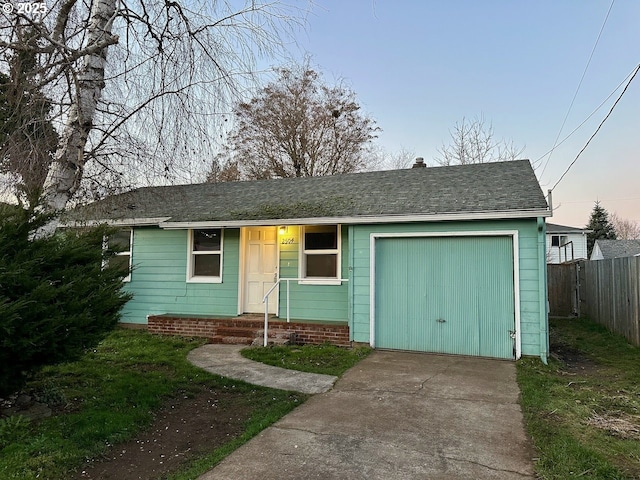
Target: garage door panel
[{"x": 445, "y": 294}]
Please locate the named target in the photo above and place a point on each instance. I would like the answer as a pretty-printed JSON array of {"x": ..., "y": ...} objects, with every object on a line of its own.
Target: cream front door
[{"x": 261, "y": 268}]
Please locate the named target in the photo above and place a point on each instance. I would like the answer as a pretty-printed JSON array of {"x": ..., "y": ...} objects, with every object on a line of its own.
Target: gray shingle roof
[
  {"x": 489, "y": 187},
  {"x": 555, "y": 228},
  {"x": 619, "y": 248}
]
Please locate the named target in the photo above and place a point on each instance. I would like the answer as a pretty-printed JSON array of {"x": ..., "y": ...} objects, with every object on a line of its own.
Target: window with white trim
[
  {"x": 558, "y": 240},
  {"x": 121, "y": 241},
  {"x": 320, "y": 252},
  {"x": 205, "y": 255}
]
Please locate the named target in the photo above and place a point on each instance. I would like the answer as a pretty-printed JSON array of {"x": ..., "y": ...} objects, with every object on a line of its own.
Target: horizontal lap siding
[
  {"x": 532, "y": 311},
  {"x": 556, "y": 255},
  {"x": 158, "y": 281},
  {"x": 312, "y": 302}
]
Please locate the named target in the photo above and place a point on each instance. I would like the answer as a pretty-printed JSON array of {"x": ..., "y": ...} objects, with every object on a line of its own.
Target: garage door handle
[{"x": 441, "y": 320}]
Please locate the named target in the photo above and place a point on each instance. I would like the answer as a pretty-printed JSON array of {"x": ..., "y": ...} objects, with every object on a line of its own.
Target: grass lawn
[
  {"x": 583, "y": 409},
  {"x": 326, "y": 359},
  {"x": 112, "y": 393}
]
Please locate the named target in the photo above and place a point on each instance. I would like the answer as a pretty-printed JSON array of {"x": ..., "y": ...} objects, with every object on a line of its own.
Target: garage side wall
[{"x": 532, "y": 305}]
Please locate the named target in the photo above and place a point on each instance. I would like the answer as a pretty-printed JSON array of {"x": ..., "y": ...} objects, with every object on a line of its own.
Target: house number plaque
[{"x": 286, "y": 241}]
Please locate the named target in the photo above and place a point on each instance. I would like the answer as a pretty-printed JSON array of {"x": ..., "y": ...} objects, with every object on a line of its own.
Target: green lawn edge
[
  {"x": 114, "y": 390},
  {"x": 558, "y": 403},
  {"x": 324, "y": 359}
]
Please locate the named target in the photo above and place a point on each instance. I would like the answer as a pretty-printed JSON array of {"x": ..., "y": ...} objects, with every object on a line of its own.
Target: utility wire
[
  {"x": 599, "y": 126},
  {"x": 555, "y": 143},
  {"x": 586, "y": 119}
]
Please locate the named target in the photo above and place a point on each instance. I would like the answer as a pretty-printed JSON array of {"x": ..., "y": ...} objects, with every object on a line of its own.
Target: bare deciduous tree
[
  {"x": 625, "y": 229},
  {"x": 400, "y": 159},
  {"x": 297, "y": 126},
  {"x": 473, "y": 141},
  {"x": 223, "y": 172},
  {"x": 27, "y": 136},
  {"x": 138, "y": 86}
]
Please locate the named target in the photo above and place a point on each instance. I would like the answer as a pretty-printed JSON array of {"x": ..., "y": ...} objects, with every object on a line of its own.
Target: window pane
[
  {"x": 322, "y": 266},
  {"x": 206, "y": 265},
  {"x": 207, "y": 240},
  {"x": 555, "y": 241},
  {"x": 120, "y": 240},
  {"x": 321, "y": 237},
  {"x": 120, "y": 262}
]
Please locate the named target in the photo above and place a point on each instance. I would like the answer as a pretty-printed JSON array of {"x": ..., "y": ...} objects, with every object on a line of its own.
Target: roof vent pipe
[{"x": 419, "y": 163}]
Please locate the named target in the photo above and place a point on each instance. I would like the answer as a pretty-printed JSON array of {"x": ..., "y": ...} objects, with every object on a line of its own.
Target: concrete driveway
[{"x": 397, "y": 415}]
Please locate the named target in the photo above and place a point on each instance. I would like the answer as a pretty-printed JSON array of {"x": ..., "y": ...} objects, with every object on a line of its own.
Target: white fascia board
[
  {"x": 492, "y": 215},
  {"x": 569, "y": 231},
  {"x": 123, "y": 222}
]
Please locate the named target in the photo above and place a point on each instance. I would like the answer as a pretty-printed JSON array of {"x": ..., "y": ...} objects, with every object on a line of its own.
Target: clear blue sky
[{"x": 417, "y": 67}]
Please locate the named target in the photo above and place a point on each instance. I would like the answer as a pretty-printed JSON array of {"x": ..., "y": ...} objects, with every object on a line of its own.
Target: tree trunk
[{"x": 65, "y": 172}]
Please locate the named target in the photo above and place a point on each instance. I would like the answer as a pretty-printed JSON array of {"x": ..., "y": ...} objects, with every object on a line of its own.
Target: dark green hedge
[{"x": 56, "y": 297}]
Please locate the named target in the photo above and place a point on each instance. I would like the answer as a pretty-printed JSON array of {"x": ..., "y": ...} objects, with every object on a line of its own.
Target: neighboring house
[
  {"x": 604, "y": 249},
  {"x": 446, "y": 259},
  {"x": 565, "y": 244}
]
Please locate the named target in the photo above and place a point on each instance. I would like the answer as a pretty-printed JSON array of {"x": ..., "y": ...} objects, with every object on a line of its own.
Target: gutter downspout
[{"x": 542, "y": 288}]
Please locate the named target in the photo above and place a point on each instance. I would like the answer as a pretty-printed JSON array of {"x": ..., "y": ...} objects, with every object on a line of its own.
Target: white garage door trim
[{"x": 484, "y": 233}]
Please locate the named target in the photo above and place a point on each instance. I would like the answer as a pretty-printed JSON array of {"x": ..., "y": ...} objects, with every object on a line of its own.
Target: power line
[
  {"x": 555, "y": 143},
  {"x": 586, "y": 119},
  {"x": 627, "y": 199},
  {"x": 599, "y": 126}
]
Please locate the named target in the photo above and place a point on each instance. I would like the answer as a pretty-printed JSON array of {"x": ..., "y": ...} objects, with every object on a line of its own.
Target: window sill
[
  {"x": 320, "y": 281},
  {"x": 204, "y": 280}
]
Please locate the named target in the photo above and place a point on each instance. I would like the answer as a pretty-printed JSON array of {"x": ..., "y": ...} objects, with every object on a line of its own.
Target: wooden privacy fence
[
  {"x": 562, "y": 287},
  {"x": 610, "y": 294},
  {"x": 607, "y": 291}
]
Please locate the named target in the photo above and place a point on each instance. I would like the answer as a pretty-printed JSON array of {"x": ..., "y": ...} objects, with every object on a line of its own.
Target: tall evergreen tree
[{"x": 600, "y": 225}]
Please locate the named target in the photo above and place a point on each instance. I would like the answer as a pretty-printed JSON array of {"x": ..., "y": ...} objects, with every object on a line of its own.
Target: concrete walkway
[
  {"x": 397, "y": 416},
  {"x": 225, "y": 360}
]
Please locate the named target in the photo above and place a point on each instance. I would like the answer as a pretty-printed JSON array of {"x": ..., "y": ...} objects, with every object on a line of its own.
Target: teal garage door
[{"x": 445, "y": 294}]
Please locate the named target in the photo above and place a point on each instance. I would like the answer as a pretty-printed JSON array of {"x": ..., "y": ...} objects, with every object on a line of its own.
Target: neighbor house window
[
  {"x": 320, "y": 252},
  {"x": 205, "y": 255},
  {"x": 558, "y": 240},
  {"x": 121, "y": 241}
]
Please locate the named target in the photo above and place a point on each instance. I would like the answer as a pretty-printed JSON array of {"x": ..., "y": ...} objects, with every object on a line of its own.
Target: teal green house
[{"x": 444, "y": 259}]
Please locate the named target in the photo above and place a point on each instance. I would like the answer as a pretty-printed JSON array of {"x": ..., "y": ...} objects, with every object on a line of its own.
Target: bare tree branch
[
  {"x": 625, "y": 229},
  {"x": 139, "y": 88},
  {"x": 473, "y": 141},
  {"x": 298, "y": 127}
]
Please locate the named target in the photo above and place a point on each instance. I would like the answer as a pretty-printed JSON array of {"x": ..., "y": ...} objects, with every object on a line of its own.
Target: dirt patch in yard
[
  {"x": 574, "y": 360},
  {"x": 186, "y": 425}
]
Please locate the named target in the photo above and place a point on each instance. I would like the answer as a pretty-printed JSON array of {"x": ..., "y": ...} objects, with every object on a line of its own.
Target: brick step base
[
  {"x": 236, "y": 331},
  {"x": 243, "y": 331},
  {"x": 275, "y": 337},
  {"x": 227, "y": 340}
]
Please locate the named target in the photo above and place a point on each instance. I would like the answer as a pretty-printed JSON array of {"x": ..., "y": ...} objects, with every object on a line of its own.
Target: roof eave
[
  {"x": 122, "y": 222},
  {"x": 363, "y": 219},
  {"x": 580, "y": 231}
]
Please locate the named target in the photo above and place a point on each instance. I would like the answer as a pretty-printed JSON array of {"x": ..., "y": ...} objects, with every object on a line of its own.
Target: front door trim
[
  {"x": 483, "y": 233},
  {"x": 242, "y": 276}
]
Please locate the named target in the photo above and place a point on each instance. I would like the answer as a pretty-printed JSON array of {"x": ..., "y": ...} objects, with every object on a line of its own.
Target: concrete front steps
[{"x": 248, "y": 330}]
